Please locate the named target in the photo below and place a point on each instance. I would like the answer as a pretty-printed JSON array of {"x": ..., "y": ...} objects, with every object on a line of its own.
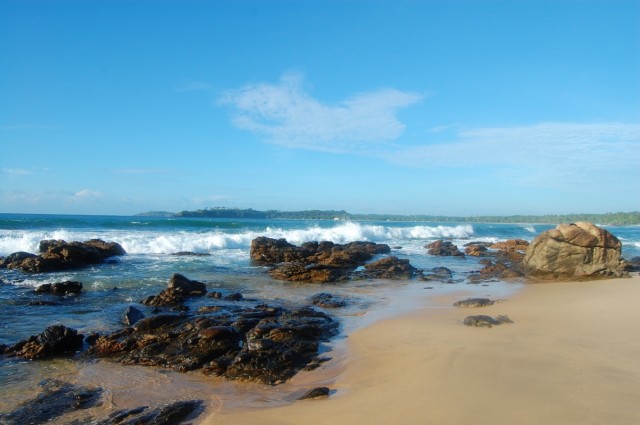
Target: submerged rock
[
  {"x": 56, "y": 399},
  {"x": 574, "y": 251},
  {"x": 132, "y": 315},
  {"x": 60, "y": 288},
  {"x": 326, "y": 300},
  {"x": 315, "y": 393}
]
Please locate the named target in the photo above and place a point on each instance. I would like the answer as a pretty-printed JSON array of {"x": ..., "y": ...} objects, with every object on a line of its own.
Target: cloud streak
[
  {"x": 290, "y": 117},
  {"x": 544, "y": 154}
]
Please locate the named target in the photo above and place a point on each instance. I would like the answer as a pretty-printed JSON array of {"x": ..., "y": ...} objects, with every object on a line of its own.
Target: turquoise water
[{"x": 150, "y": 242}]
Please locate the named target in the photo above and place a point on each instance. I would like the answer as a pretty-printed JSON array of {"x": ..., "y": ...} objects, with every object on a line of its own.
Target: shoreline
[{"x": 569, "y": 357}]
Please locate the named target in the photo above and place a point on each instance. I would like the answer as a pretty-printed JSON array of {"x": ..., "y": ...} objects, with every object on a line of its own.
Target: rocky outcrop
[
  {"x": 319, "y": 262},
  {"x": 325, "y": 300},
  {"x": 390, "y": 267},
  {"x": 177, "y": 291},
  {"x": 474, "y": 302},
  {"x": 60, "y": 255},
  {"x": 55, "y": 341},
  {"x": 443, "y": 248},
  {"x": 574, "y": 251},
  {"x": 476, "y": 249},
  {"x": 511, "y": 245},
  {"x": 263, "y": 344}
]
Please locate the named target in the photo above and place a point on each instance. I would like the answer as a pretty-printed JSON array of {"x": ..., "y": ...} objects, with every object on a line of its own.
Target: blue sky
[{"x": 417, "y": 107}]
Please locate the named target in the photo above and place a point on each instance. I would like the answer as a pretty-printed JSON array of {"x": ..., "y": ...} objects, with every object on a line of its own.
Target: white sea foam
[{"x": 148, "y": 242}]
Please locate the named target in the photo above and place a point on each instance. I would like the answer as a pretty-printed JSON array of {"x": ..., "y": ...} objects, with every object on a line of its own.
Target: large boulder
[
  {"x": 61, "y": 255},
  {"x": 56, "y": 340},
  {"x": 574, "y": 251},
  {"x": 443, "y": 249}
]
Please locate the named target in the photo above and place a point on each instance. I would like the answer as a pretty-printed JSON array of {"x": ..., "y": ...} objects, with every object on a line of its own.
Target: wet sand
[{"x": 572, "y": 356}]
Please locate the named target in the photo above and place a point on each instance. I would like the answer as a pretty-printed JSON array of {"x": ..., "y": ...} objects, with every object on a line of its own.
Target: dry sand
[{"x": 571, "y": 357}]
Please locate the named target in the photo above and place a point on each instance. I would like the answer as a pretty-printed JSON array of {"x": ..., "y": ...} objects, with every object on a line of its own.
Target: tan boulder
[{"x": 574, "y": 251}]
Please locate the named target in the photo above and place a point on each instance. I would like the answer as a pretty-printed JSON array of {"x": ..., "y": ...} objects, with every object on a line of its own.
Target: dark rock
[
  {"x": 186, "y": 287},
  {"x": 443, "y": 248},
  {"x": 474, "y": 302},
  {"x": 14, "y": 260},
  {"x": 326, "y": 300},
  {"x": 60, "y": 255},
  {"x": 262, "y": 344},
  {"x": 191, "y": 254},
  {"x": 632, "y": 265},
  {"x": 56, "y": 399},
  {"x": 55, "y": 341},
  {"x": 441, "y": 274},
  {"x": 131, "y": 316},
  {"x": 234, "y": 296},
  {"x": 171, "y": 414},
  {"x": 60, "y": 288},
  {"x": 389, "y": 268},
  {"x": 500, "y": 270},
  {"x": 313, "y": 261},
  {"x": 315, "y": 393},
  {"x": 574, "y": 251},
  {"x": 485, "y": 321},
  {"x": 43, "y": 303}
]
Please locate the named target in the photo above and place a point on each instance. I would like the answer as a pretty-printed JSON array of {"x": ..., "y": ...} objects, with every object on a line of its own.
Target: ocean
[{"x": 224, "y": 264}]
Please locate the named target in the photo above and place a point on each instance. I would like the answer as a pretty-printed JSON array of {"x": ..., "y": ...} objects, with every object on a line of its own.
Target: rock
[
  {"x": 326, "y": 300},
  {"x": 234, "y": 296},
  {"x": 511, "y": 245},
  {"x": 55, "y": 341},
  {"x": 171, "y": 414},
  {"x": 13, "y": 261},
  {"x": 389, "y": 268},
  {"x": 56, "y": 399},
  {"x": 191, "y": 254},
  {"x": 186, "y": 287},
  {"x": 313, "y": 261},
  {"x": 632, "y": 265},
  {"x": 177, "y": 291},
  {"x": 315, "y": 393},
  {"x": 574, "y": 251},
  {"x": 262, "y": 344},
  {"x": 443, "y": 248},
  {"x": 474, "y": 302},
  {"x": 131, "y": 316},
  {"x": 485, "y": 321},
  {"x": 60, "y": 288},
  {"x": 475, "y": 249},
  {"x": 60, "y": 255},
  {"x": 441, "y": 274},
  {"x": 500, "y": 270}
]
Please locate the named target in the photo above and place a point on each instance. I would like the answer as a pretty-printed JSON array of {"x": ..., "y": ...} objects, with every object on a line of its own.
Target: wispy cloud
[
  {"x": 15, "y": 172},
  {"x": 290, "y": 117},
  {"x": 86, "y": 194},
  {"x": 543, "y": 154}
]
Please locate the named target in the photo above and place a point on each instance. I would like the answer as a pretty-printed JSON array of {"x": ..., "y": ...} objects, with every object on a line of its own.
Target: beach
[{"x": 572, "y": 356}]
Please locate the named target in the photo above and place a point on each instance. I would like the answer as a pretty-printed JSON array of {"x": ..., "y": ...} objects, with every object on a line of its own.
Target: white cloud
[
  {"x": 543, "y": 154},
  {"x": 86, "y": 194},
  {"x": 289, "y": 117},
  {"x": 16, "y": 171}
]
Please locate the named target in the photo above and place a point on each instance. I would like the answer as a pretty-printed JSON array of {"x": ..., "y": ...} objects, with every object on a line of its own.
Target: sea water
[{"x": 225, "y": 265}]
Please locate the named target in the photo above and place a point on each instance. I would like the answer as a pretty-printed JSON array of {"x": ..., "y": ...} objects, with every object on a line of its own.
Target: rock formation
[{"x": 574, "y": 251}]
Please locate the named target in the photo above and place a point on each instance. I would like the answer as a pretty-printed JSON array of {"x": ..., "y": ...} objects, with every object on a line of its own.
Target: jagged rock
[
  {"x": 60, "y": 288},
  {"x": 262, "y": 344},
  {"x": 315, "y": 393},
  {"x": 389, "y": 268},
  {"x": 326, "y": 300},
  {"x": 313, "y": 261},
  {"x": 60, "y": 255},
  {"x": 474, "y": 302},
  {"x": 443, "y": 248},
  {"x": 131, "y": 316},
  {"x": 178, "y": 290},
  {"x": 476, "y": 249},
  {"x": 486, "y": 321},
  {"x": 511, "y": 245},
  {"x": 56, "y": 399},
  {"x": 632, "y": 265},
  {"x": 56, "y": 340},
  {"x": 13, "y": 261},
  {"x": 171, "y": 414},
  {"x": 500, "y": 270},
  {"x": 574, "y": 251}
]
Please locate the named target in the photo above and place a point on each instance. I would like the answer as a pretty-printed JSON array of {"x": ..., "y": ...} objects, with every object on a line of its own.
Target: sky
[{"x": 458, "y": 107}]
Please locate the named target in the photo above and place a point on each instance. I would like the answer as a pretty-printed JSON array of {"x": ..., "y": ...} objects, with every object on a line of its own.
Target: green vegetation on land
[{"x": 618, "y": 218}]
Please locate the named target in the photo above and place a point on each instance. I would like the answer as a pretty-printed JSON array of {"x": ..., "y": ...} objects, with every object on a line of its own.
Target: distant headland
[{"x": 614, "y": 219}]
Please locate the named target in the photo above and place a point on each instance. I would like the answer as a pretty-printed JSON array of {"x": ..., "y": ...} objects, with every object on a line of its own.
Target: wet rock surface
[
  {"x": 61, "y": 255},
  {"x": 325, "y": 300},
  {"x": 60, "y": 288},
  {"x": 444, "y": 249},
  {"x": 171, "y": 414},
  {"x": 485, "y": 321},
  {"x": 177, "y": 291},
  {"x": 315, "y": 393},
  {"x": 318, "y": 262},
  {"x": 390, "y": 267},
  {"x": 574, "y": 251},
  {"x": 55, "y": 341},
  {"x": 56, "y": 399}
]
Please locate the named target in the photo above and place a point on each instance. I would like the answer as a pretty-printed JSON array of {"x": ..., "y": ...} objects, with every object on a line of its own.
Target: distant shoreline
[{"x": 614, "y": 219}]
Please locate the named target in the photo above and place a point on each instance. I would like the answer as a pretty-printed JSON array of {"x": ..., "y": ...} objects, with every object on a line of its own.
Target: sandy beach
[{"x": 572, "y": 356}]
